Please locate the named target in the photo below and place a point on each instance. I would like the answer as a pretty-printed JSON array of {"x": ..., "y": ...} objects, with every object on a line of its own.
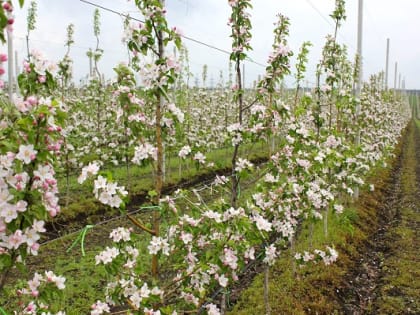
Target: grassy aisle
[
  {"x": 399, "y": 285},
  {"x": 377, "y": 240}
]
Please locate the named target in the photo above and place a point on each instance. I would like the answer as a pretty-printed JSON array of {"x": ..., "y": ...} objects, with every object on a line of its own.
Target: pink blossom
[
  {"x": 26, "y": 66},
  {"x": 99, "y": 308},
  {"x": 143, "y": 152},
  {"x": 59, "y": 282},
  {"x": 31, "y": 308},
  {"x": 5, "y": 196},
  {"x": 270, "y": 255},
  {"x": 26, "y": 153},
  {"x": 185, "y": 150},
  {"x": 186, "y": 237},
  {"x": 91, "y": 169},
  {"x": 107, "y": 255},
  {"x": 223, "y": 281},
  {"x": 200, "y": 158},
  {"x": 33, "y": 249},
  {"x": 32, "y": 100},
  {"x": 177, "y": 31},
  {"x": 230, "y": 258},
  {"x": 7, "y": 7},
  {"x": 15, "y": 240},
  {"x": 8, "y": 212},
  {"x": 233, "y": 3},
  {"x": 32, "y": 236},
  {"x": 38, "y": 226},
  {"x": 262, "y": 224},
  {"x": 120, "y": 234},
  {"x": 53, "y": 212}
]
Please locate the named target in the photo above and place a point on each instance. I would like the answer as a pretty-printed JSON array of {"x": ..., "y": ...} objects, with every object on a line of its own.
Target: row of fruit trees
[{"x": 321, "y": 150}]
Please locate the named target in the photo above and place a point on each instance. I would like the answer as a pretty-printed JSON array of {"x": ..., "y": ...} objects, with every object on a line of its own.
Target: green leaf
[
  {"x": 5, "y": 261},
  {"x": 2, "y": 311},
  {"x": 21, "y": 2},
  {"x": 152, "y": 193}
]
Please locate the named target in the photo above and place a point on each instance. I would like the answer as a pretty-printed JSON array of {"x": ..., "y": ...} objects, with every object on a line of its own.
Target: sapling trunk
[
  {"x": 160, "y": 158},
  {"x": 267, "y": 290},
  {"x": 67, "y": 180},
  {"x": 235, "y": 179},
  {"x": 326, "y": 223},
  {"x": 223, "y": 304},
  {"x": 292, "y": 256}
]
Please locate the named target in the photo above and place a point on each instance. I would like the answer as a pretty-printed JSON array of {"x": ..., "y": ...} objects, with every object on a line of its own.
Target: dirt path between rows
[{"x": 386, "y": 276}]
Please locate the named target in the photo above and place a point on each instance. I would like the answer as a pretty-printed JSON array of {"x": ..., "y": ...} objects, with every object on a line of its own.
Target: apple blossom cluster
[
  {"x": 235, "y": 133},
  {"x": 90, "y": 170},
  {"x": 105, "y": 191},
  {"x": 128, "y": 287},
  {"x": 27, "y": 179},
  {"x": 200, "y": 158},
  {"x": 144, "y": 151},
  {"x": 279, "y": 58},
  {"x": 327, "y": 257},
  {"x": 40, "y": 66},
  {"x": 39, "y": 285},
  {"x": 8, "y": 10},
  {"x": 108, "y": 193},
  {"x": 176, "y": 112},
  {"x": 240, "y": 24},
  {"x": 158, "y": 74},
  {"x": 65, "y": 69},
  {"x": 184, "y": 152},
  {"x": 243, "y": 164}
]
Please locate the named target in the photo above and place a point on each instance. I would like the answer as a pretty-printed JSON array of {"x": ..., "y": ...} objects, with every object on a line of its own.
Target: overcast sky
[{"x": 206, "y": 20}]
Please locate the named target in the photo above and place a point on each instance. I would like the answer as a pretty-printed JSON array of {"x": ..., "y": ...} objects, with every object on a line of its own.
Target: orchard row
[{"x": 322, "y": 143}]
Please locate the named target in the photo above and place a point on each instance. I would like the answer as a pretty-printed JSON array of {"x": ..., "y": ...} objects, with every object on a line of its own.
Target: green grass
[
  {"x": 303, "y": 291},
  {"x": 81, "y": 201},
  {"x": 401, "y": 269}
]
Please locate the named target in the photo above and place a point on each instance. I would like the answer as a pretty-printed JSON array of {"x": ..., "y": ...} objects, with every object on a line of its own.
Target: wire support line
[
  {"x": 249, "y": 59},
  {"x": 331, "y": 24},
  {"x": 320, "y": 13}
]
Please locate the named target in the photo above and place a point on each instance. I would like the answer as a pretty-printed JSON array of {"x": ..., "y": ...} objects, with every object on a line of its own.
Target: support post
[
  {"x": 387, "y": 64},
  {"x": 395, "y": 76},
  {"x": 360, "y": 74}
]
